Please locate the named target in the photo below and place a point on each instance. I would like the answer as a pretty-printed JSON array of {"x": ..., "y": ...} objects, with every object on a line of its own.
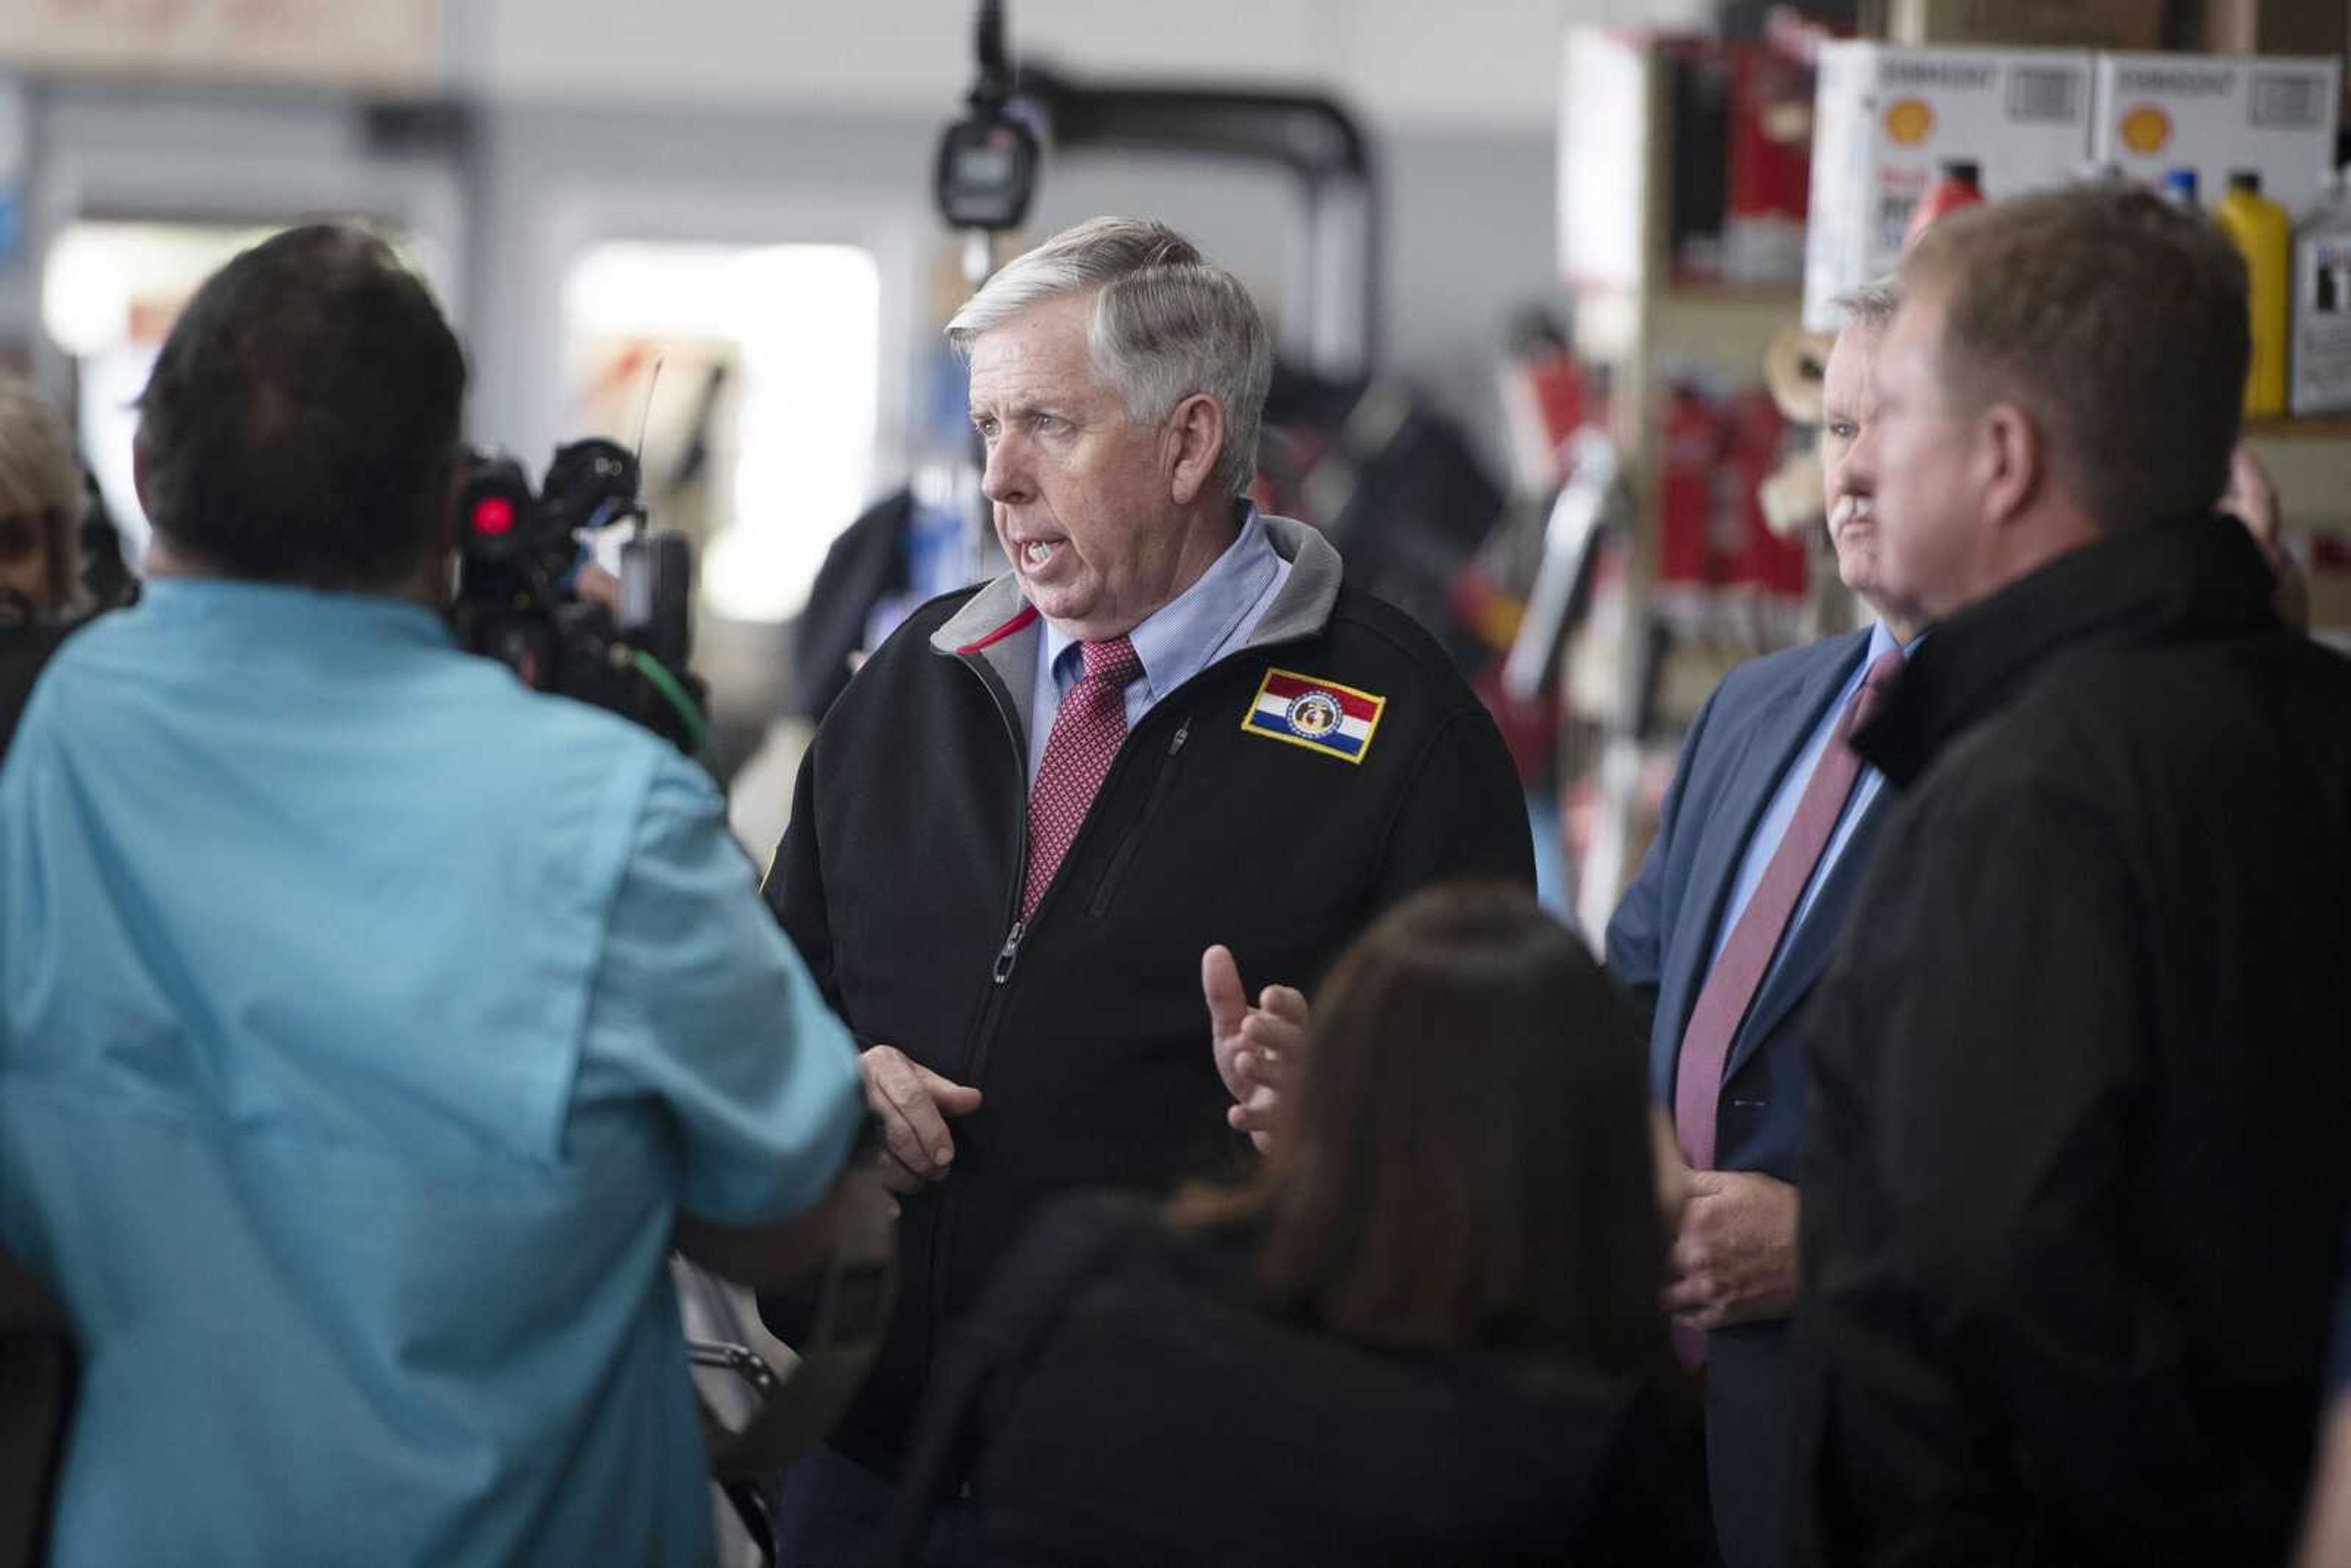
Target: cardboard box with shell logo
[
  {"x": 2220, "y": 114},
  {"x": 1888, "y": 119}
]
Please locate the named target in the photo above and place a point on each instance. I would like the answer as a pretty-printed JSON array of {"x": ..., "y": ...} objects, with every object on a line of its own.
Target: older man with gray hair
[
  {"x": 1765, "y": 838},
  {"x": 1170, "y": 746}
]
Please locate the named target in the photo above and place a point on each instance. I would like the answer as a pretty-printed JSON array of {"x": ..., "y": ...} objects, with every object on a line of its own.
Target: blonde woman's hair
[{"x": 40, "y": 476}]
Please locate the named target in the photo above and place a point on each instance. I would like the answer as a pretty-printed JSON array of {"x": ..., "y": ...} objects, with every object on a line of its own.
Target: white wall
[
  {"x": 847, "y": 96},
  {"x": 787, "y": 119},
  {"x": 1488, "y": 66},
  {"x": 1468, "y": 239}
]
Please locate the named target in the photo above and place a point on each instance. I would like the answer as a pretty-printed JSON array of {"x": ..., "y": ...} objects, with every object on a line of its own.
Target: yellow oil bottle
[{"x": 2264, "y": 235}]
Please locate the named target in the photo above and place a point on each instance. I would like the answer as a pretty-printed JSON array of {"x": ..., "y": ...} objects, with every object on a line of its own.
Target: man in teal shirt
[{"x": 372, "y": 1028}]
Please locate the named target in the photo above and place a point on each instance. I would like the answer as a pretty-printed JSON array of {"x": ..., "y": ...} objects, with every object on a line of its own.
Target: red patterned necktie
[
  {"x": 1087, "y": 732},
  {"x": 1739, "y": 971}
]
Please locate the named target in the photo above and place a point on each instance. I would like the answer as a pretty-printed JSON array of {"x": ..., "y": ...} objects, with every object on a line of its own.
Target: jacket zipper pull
[
  {"x": 1183, "y": 734},
  {"x": 1009, "y": 954}
]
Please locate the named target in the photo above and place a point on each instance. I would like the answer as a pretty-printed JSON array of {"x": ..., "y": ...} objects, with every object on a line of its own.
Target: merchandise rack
[{"x": 1639, "y": 322}]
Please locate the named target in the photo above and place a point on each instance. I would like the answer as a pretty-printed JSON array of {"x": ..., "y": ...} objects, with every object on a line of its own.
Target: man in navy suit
[
  {"x": 1764, "y": 839},
  {"x": 1763, "y": 845}
]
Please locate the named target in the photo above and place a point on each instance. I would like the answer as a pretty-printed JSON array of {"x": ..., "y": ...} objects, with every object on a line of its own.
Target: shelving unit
[
  {"x": 1634, "y": 322},
  {"x": 1634, "y": 319}
]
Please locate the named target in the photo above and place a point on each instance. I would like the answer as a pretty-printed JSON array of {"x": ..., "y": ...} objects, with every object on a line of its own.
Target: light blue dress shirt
[
  {"x": 366, "y": 1023},
  {"x": 1181, "y": 638},
  {"x": 1781, "y": 813}
]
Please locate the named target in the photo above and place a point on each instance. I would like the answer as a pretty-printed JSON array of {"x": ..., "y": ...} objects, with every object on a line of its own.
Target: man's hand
[
  {"x": 781, "y": 1256},
  {"x": 1257, "y": 1048},
  {"x": 593, "y": 584},
  {"x": 913, "y": 1103},
  {"x": 1734, "y": 1260},
  {"x": 2252, "y": 499}
]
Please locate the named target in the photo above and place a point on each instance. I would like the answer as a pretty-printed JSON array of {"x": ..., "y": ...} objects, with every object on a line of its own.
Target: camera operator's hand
[
  {"x": 915, "y": 1105},
  {"x": 783, "y": 1256},
  {"x": 597, "y": 586}
]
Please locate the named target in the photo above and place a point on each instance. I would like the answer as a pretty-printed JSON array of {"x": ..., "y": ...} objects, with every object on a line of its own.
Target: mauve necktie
[
  {"x": 1731, "y": 987},
  {"x": 1087, "y": 732},
  {"x": 1739, "y": 971}
]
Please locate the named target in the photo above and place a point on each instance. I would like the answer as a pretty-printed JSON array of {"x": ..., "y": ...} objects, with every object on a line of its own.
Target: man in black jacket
[
  {"x": 2075, "y": 1192},
  {"x": 1171, "y": 740}
]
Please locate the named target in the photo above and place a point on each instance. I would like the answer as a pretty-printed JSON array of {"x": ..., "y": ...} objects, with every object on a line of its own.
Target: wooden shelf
[
  {"x": 1728, "y": 327},
  {"x": 2309, "y": 427},
  {"x": 2309, "y": 460},
  {"x": 1744, "y": 296}
]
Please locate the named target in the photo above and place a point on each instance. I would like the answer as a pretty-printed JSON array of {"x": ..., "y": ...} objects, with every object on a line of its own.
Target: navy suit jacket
[{"x": 1660, "y": 947}]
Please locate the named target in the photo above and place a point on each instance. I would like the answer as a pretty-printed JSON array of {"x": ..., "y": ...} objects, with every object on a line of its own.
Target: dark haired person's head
[
  {"x": 1467, "y": 1159},
  {"x": 301, "y": 421}
]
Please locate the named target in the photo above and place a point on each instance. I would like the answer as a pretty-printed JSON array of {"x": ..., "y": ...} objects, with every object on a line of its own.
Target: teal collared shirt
[
  {"x": 366, "y": 1023},
  {"x": 1209, "y": 620}
]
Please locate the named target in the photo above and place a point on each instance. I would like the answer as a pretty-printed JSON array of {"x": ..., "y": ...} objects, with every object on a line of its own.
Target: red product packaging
[
  {"x": 1770, "y": 164},
  {"x": 1961, "y": 186},
  {"x": 1690, "y": 553}
]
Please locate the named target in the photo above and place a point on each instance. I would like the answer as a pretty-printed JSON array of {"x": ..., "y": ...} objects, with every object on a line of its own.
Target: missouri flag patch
[{"x": 1319, "y": 714}]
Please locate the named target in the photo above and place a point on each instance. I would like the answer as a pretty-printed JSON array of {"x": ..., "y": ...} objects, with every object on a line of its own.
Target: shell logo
[
  {"x": 2147, "y": 129},
  {"x": 1908, "y": 120}
]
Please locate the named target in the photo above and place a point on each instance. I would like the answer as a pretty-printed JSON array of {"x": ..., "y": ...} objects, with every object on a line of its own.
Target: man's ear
[
  {"x": 2012, "y": 462},
  {"x": 446, "y": 530},
  {"x": 1198, "y": 427},
  {"x": 435, "y": 582}
]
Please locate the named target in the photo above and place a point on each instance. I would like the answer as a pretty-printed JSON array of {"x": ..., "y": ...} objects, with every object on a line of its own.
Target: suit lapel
[{"x": 1778, "y": 733}]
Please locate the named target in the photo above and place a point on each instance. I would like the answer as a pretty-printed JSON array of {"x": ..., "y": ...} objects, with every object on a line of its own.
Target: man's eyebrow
[{"x": 1022, "y": 409}]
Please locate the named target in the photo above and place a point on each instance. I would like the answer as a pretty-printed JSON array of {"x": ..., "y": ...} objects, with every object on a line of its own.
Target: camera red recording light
[{"x": 494, "y": 516}]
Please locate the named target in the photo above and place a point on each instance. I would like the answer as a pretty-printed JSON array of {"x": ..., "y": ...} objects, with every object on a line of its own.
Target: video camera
[
  {"x": 520, "y": 600},
  {"x": 985, "y": 172}
]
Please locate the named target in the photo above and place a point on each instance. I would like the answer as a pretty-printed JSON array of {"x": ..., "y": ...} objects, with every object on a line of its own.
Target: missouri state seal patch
[{"x": 1319, "y": 714}]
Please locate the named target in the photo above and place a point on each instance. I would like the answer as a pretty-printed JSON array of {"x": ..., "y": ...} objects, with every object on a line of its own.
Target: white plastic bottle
[{"x": 2320, "y": 365}]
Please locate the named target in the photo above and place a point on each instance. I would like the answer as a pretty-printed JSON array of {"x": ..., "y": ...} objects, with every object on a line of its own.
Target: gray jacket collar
[{"x": 998, "y": 626}]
